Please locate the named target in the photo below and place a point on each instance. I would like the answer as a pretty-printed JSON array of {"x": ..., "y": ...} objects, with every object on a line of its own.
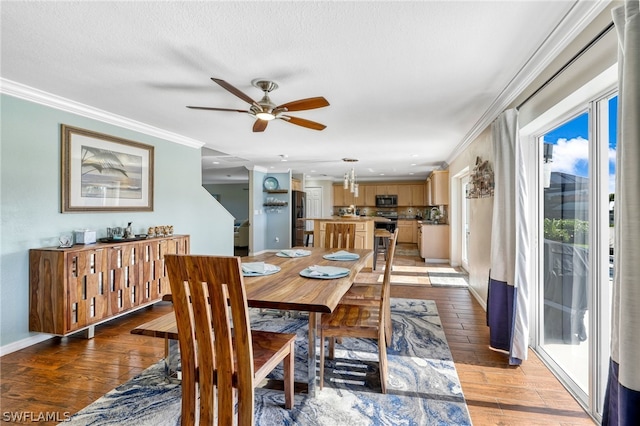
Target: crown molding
[
  {"x": 573, "y": 23},
  {"x": 21, "y": 91}
]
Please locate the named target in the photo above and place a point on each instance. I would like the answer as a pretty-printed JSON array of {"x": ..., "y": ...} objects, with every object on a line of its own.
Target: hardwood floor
[{"x": 61, "y": 376}]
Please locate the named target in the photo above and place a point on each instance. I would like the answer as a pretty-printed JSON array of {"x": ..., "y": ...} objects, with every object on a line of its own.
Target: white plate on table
[
  {"x": 343, "y": 256},
  {"x": 338, "y": 273}
]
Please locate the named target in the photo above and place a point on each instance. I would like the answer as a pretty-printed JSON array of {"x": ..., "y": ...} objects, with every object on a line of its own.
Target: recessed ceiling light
[
  {"x": 381, "y": 174},
  {"x": 215, "y": 162},
  {"x": 413, "y": 164}
]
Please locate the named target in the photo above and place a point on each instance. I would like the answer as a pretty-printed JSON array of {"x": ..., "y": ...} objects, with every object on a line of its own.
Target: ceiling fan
[{"x": 265, "y": 110}]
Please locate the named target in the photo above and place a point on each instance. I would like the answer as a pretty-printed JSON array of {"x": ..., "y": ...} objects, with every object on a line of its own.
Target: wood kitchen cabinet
[
  {"x": 296, "y": 185},
  {"x": 387, "y": 189},
  {"x": 72, "y": 289},
  {"x": 417, "y": 195},
  {"x": 434, "y": 244},
  {"x": 342, "y": 197},
  {"x": 407, "y": 231},
  {"x": 404, "y": 195},
  {"x": 369, "y": 192},
  {"x": 437, "y": 191}
]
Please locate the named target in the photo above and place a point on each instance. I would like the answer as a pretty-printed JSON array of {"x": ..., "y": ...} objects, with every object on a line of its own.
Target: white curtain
[
  {"x": 507, "y": 300},
  {"x": 622, "y": 402}
]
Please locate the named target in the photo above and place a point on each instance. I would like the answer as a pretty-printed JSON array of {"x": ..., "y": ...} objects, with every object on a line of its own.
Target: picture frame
[{"x": 103, "y": 173}]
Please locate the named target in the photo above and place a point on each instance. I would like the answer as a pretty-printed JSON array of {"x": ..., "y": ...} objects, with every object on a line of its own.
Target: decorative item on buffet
[
  {"x": 66, "y": 241},
  {"x": 85, "y": 236},
  {"x": 128, "y": 231},
  {"x": 481, "y": 180},
  {"x": 160, "y": 231}
]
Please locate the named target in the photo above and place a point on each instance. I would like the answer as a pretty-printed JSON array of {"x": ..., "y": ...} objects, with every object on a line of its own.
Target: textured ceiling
[{"x": 408, "y": 82}]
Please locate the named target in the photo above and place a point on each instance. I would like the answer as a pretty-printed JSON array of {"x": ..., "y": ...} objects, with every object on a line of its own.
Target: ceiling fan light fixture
[{"x": 267, "y": 116}]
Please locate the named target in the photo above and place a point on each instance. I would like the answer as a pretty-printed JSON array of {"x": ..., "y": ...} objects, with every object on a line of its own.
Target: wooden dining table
[{"x": 287, "y": 290}]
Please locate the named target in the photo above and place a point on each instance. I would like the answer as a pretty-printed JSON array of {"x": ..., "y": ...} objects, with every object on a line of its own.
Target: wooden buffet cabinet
[{"x": 76, "y": 288}]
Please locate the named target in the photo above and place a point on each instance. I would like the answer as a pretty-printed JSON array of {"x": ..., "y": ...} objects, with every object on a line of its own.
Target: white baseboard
[
  {"x": 24, "y": 343},
  {"x": 475, "y": 294}
]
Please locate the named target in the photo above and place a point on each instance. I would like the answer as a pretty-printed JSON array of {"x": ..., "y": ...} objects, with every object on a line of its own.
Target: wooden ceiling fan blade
[
  {"x": 303, "y": 122},
  {"x": 260, "y": 125},
  {"x": 234, "y": 90},
  {"x": 218, "y": 109},
  {"x": 304, "y": 104}
]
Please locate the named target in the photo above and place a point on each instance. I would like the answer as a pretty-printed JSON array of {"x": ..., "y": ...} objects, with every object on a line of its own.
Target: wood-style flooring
[{"x": 62, "y": 375}]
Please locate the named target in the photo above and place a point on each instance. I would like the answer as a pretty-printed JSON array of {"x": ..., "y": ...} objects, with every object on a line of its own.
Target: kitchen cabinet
[
  {"x": 76, "y": 288},
  {"x": 417, "y": 195},
  {"x": 296, "y": 185},
  {"x": 343, "y": 197},
  {"x": 387, "y": 189},
  {"x": 404, "y": 195},
  {"x": 414, "y": 231},
  {"x": 410, "y": 195},
  {"x": 407, "y": 231},
  {"x": 434, "y": 244},
  {"x": 438, "y": 188},
  {"x": 369, "y": 192}
]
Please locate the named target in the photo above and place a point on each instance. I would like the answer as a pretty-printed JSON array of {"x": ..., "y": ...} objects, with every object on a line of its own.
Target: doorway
[
  {"x": 464, "y": 223},
  {"x": 314, "y": 206}
]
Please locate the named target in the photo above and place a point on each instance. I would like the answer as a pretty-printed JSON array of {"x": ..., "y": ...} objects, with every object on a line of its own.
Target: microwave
[{"x": 386, "y": 200}]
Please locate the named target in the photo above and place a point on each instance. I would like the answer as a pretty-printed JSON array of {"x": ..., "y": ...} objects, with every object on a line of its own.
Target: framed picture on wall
[{"x": 102, "y": 173}]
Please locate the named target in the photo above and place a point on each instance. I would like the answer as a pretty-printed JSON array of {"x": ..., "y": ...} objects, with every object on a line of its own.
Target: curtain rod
[{"x": 568, "y": 64}]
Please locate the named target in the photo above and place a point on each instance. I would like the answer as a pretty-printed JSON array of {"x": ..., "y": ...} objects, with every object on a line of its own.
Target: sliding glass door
[
  {"x": 577, "y": 193},
  {"x": 565, "y": 248}
]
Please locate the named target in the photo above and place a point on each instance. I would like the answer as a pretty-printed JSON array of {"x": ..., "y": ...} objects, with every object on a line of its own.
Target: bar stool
[
  {"x": 308, "y": 234},
  {"x": 380, "y": 237}
]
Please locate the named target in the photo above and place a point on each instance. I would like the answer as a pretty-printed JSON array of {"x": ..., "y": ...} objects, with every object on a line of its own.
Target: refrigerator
[{"x": 298, "y": 201}]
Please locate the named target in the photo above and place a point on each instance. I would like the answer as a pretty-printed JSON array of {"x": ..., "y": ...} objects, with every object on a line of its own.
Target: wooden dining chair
[
  {"x": 363, "y": 321},
  {"x": 369, "y": 294},
  {"x": 222, "y": 358},
  {"x": 340, "y": 235}
]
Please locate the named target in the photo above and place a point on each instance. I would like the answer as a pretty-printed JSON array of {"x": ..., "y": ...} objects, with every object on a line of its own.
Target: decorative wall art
[
  {"x": 481, "y": 183},
  {"x": 102, "y": 173}
]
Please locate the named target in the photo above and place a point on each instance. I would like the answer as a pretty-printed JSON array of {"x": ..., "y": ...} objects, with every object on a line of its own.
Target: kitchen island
[{"x": 433, "y": 241}]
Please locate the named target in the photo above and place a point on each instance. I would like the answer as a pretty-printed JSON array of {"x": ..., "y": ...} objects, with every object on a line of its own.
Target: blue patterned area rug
[{"x": 423, "y": 387}]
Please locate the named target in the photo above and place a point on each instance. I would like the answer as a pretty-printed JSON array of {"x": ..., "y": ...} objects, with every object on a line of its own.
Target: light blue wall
[
  {"x": 30, "y": 200},
  {"x": 266, "y": 226},
  {"x": 234, "y": 197},
  {"x": 258, "y": 219},
  {"x": 279, "y": 223}
]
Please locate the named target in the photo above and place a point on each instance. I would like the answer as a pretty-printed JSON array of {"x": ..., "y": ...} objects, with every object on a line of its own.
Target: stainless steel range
[{"x": 392, "y": 215}]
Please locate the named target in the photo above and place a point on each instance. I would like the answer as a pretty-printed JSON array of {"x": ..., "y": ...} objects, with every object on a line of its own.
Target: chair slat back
[
  {"x": 385, "y": 302},
  {"x": 340, "y": 235},
  {"x": 210, "y": 305}
]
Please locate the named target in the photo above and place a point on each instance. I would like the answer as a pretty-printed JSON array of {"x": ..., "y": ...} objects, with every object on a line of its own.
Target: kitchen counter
[{"x": 349, "y": 218}]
